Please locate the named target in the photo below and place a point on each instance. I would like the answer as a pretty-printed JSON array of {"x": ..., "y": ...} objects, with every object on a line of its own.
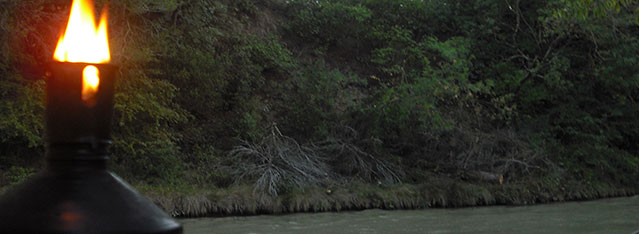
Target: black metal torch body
[{"x": 75, "y": 193}]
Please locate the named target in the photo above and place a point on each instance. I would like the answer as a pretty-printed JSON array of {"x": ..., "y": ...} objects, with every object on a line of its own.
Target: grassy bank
[
  {"x": 437, "y": 191},
  {"x": 190, "y": 201}
]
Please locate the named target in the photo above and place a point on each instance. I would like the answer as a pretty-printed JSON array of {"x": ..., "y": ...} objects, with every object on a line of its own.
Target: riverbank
[
  {"x": 192, "y": 201},
  {"x": 457, "y": 101}
]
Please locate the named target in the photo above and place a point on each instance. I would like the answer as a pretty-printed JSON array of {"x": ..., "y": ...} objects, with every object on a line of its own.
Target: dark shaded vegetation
[{"x": 297, "y": 105}]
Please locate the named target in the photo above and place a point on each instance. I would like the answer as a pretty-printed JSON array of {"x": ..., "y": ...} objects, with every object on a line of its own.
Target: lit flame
[
  {"x": 90, "y": 83},
  {"x": 83, "y": 42}
]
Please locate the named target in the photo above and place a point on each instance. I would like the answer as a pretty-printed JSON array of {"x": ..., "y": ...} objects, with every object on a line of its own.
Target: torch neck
[
  {"x": 76, "y": 166},
  {"x": 77, "y": 156}
]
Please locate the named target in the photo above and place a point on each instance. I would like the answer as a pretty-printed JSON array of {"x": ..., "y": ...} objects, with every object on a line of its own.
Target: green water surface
[{"x": 618, "y": 215}]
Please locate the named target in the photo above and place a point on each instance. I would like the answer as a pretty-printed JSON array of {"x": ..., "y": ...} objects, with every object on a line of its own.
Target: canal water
[{"x": 617, "y": 215}]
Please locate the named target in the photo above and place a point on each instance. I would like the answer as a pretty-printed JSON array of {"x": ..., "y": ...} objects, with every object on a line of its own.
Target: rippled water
[{"x": 618, "y": 215}]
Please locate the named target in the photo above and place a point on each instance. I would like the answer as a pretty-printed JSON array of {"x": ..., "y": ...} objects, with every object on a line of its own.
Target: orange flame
[
  {"x": 83, "y": 42},
  {"x": 90, "y": 83}
]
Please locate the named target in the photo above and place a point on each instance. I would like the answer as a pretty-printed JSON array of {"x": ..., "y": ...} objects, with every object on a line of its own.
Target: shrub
[
  {"x": 350, "y": 160},
  {"x": 16, "y": 175},
  {"x": 278, "y": 162}
]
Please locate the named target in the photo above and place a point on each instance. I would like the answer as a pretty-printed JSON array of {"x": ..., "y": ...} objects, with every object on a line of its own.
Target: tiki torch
[{"x": 76, "y": 193}]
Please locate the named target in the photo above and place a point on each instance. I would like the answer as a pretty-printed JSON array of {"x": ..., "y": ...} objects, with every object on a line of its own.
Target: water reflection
[{"x": 619, "y": 215}]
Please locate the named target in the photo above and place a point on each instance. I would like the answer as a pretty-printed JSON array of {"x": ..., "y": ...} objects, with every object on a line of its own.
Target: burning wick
[
  {"x": 90, "y": 84},
  {"x": 85, "y": 42}
]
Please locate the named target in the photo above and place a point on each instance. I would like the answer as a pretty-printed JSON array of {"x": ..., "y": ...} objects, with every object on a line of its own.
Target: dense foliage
[{"x": 295, "y": 93}]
